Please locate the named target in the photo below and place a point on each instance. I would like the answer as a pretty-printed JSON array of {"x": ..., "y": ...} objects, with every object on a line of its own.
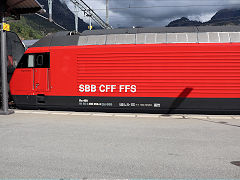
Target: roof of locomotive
[
  {"x": 199, "y": 34},
  {"x": 163, "y": 30}
]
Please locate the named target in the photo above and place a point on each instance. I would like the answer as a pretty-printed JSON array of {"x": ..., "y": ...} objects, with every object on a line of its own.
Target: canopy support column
[{"x": 4, "y": 110}]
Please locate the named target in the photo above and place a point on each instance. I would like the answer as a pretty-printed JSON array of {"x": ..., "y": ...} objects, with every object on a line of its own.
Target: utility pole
[
  {"x": 50, "y": 10},
  {"x": 4, "y": 109},
  {"x": 76, "y": 18},
  {"x": 107, "y": 11},
  {"x": 90, "y": 23}
]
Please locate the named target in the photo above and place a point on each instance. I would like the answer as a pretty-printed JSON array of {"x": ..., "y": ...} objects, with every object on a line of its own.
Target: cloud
[{"x": 152, "y": 13}]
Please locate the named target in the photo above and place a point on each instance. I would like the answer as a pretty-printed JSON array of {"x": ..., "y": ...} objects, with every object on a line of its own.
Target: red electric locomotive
[{"x": 155, "y": 70}]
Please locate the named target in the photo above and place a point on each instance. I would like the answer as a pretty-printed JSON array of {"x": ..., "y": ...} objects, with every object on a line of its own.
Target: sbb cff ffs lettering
[{"x": 107, "y": 88}]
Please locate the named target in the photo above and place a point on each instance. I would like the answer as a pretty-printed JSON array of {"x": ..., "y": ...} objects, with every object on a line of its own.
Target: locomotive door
[
  {"x": 42, "y": 73},
  {"x": 41, "y": 80}
]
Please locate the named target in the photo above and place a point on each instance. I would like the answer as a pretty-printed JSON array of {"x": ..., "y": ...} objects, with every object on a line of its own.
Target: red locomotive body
[{"x": 178, "y": 77}]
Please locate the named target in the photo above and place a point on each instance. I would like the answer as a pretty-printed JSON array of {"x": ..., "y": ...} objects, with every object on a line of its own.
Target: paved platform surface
[{"x": 47, "y": 144}]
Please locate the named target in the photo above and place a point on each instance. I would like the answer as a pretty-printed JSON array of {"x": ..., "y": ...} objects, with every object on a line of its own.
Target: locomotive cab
[{"x": 31, "y": 79}]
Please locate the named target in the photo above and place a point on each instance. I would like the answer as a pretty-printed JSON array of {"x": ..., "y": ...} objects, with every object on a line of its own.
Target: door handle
[{"x": 37, "y": 85}]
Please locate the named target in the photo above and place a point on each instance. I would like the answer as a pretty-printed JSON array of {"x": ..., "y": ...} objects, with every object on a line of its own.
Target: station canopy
[{"x": 17, "y": 7}]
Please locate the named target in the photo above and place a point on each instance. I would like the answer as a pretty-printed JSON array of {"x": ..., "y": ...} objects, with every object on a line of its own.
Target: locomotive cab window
[
  {"x": 30, "y": 61},
  {"x": 38, "y": 60}
]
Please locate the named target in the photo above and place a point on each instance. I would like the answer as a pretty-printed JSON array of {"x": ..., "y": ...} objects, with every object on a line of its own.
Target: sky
[{"x": 155, "y": 13}]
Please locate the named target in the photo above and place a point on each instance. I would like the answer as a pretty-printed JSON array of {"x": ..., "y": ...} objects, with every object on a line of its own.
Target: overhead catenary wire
[
  {"x": 51, "y": 22},
  {"x": 131, "y": 4},
  {"x": 167, "y": 6},
  {"x": 133, "y": 1},
  {"x": 91, "y": 13}
]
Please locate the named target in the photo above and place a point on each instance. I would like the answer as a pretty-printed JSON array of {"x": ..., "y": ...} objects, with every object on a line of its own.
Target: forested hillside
[{"x": 34, "y": 27}]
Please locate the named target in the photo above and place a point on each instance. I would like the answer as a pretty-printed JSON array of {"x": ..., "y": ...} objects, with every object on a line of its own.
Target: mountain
[
  {"x": 225, "y": 17},
  {"x": 222, "y": 17},
  {"x": 184, "y": 22},
  {"x": 225, "y": 14},
  {"x": 32, "y": 26},
  {"x": 63, "y": 16}
]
